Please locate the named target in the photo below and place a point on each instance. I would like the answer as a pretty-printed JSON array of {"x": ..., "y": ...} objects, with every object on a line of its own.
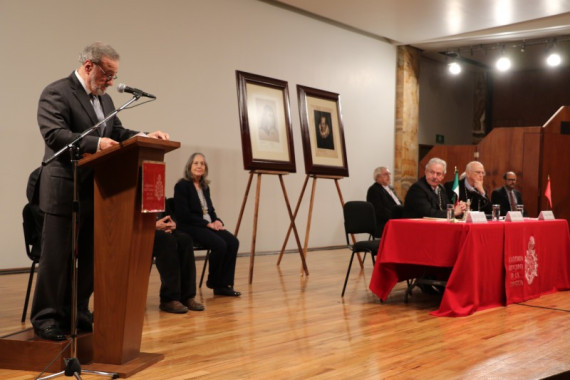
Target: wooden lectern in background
[{"x": 124, "y": 237}]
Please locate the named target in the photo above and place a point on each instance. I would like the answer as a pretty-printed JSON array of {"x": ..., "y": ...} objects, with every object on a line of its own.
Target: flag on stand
[
  {"x": 455, "y": 188},
  {"x": 547, "y": 192}
]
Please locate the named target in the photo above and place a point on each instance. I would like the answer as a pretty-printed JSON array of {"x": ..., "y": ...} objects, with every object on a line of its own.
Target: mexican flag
[{"x": 455, "y": 188}]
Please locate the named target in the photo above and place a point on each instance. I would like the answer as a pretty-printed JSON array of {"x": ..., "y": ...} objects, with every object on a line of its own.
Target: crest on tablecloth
[{"x": 530, "y": 262}]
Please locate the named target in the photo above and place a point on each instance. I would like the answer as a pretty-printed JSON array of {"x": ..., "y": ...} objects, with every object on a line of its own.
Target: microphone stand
[{"x": 72, "y": 365}]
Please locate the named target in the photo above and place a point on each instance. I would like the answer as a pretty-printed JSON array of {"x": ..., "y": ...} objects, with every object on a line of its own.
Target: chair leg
[
  {"x": 411, "y": 284},
  {"x": 204, "y": 268},
  {"x": 28, "y": 291},
  {"x": 347, "y": 273}
]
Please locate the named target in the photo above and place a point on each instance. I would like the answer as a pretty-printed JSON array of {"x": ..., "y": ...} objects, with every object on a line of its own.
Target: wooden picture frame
[
  {"x": 322, "y": 132},
  {"x": 265, "y": 119}
]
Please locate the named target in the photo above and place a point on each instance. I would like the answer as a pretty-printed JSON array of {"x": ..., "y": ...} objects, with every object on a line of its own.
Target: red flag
[{"x": 547, "y": 192}]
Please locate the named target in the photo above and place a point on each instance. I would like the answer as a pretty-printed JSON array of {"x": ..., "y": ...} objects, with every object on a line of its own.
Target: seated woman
[{"x": 196, "y": 216}]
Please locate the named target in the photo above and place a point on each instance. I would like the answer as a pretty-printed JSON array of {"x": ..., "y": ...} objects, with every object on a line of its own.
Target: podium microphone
[{"x": 135, "y": 91}]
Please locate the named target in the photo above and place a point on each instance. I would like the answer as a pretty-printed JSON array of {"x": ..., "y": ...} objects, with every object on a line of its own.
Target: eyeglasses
[
  {"x": 479, "y": 172},
  {"x": 438, "y": 174},
  {"x": 107, "y": 76}
]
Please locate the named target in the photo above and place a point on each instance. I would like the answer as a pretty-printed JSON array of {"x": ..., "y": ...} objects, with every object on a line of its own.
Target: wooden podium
[
  {"x": 123, "y": 241},
  {"x": 124, "y": 237}
]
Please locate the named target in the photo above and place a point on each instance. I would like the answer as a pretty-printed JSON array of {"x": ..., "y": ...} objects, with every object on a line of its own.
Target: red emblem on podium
[{"x": 153, "y": 183}]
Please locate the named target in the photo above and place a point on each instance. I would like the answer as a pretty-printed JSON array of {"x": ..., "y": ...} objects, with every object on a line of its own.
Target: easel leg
[
  {"x": 244, "y": 202},
  {"x": 352, "y": 236},
  {"x": 293, "y": 220},
  {"x": 292, "y": 217},
  {"x": 309, "y": 217},
  {"x": 254, "y": 233}
]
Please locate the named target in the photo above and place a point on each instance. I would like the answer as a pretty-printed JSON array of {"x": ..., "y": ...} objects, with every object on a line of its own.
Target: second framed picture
[
  {"x": 266, "y": 133},
  {"x": 322, "y": 132}
]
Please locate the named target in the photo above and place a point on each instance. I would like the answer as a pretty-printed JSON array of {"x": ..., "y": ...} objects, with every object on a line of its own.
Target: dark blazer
[
  {"x": 478, "y": 202},
  {"x": 188, "y": 210},
  {"x": 64, "y": 112},
  {"x": 499, "y": 196},
  {"x": 384, "y": 205},
  {"x": 422, "y": 201}
]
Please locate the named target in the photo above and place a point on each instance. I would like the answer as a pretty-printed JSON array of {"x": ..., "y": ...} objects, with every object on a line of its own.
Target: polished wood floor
[{"x": 290, "y": 327}]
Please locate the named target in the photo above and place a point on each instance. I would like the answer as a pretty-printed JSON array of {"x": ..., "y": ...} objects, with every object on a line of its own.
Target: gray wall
[{"x": 186, "y": 52}]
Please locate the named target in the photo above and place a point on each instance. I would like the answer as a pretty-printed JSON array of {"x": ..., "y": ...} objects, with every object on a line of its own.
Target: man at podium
[{"x": 67, "y": 108}]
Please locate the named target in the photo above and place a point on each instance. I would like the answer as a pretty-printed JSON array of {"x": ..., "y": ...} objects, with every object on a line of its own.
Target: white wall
[
  {"x": 186, "y": 52},
  {"x": 446, "y": 104}
]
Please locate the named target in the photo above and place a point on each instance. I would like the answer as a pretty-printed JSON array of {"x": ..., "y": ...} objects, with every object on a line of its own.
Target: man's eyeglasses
[{"x": 107, "y": 76}]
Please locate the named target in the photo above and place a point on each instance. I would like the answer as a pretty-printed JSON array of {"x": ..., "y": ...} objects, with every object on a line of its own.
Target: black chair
[
  {"x": 32, "y": 224},
  {"x": 360, "y": 218},
  {"x": 169, "y": 208}
]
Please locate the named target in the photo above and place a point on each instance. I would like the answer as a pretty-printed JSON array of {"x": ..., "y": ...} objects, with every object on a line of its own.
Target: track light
[
  {"x": 553, "y": 59},
  {"x": 454, "y": 68},
  {"x": 503, "y": 63}
]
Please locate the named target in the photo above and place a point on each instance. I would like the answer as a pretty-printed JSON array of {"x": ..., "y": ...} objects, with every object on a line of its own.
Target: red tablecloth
[
  {"x": 476, "y": 254},
  {"x": 537, "y": 259}
]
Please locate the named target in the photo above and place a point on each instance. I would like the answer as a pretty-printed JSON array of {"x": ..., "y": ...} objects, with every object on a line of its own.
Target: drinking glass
[
  {"x": 450, "y": 212},
  {"x": 496, "y": 212}
]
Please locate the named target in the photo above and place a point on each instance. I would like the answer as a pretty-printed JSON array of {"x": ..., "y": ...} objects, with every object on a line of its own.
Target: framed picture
[
  {"x": 322, "y": 132},
  {"x": 265, "y": 118}
]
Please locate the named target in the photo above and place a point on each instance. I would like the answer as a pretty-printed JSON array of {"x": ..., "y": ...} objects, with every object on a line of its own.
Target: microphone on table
[{"x": 135, "y": 91}]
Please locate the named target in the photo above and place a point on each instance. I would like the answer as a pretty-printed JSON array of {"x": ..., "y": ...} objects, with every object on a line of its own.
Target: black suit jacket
[
  {"x": 500, "y": 197},
  {"x": 384, "y": 205},
  {"x": 188, "y": 210},
  {"x": 64, "y": 112},
  {"x": 422, "y": 201},
  {"x": 478, "y": 202}
]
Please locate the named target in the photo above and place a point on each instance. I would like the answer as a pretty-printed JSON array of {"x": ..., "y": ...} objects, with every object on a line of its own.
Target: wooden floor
[{"x": 290, "y": 327}]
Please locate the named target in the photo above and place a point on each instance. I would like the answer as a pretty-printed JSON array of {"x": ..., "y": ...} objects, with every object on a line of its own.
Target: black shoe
[
  {"x": 85, "y": 321},
  {"x": 50, "y": 333},
  {"x": 227, "y": 291}
]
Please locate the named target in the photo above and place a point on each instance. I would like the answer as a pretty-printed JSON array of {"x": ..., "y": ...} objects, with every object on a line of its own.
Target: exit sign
[{"x": 439, "y": 139}]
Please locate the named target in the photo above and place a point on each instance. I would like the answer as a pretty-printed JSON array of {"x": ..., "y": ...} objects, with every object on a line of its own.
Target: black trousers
[
  {"x": 52, "y": 297},
  {"x": 223, "y": 247},
  {"x": 174, "y": 257}
]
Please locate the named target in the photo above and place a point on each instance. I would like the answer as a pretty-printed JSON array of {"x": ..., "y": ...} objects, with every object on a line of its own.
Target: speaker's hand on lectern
[
  {"x": 159, "y": 135},
  {"x": 105, "y": 142}
]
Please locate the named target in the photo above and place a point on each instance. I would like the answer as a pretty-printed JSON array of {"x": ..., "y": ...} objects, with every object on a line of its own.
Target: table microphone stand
[{"x": 72, "y": 365}]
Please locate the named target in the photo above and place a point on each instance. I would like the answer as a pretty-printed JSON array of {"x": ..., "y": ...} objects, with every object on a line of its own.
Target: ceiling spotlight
[
  {"x": 454, "y": 68},
  {"x": 554, "y": 59},
  {"x": 503, "y": 64}
]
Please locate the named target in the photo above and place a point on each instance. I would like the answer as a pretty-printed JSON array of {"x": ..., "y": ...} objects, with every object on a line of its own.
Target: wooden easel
[
  {"x": 292, "y": 225},
  {"x": 255, "y": 215}
]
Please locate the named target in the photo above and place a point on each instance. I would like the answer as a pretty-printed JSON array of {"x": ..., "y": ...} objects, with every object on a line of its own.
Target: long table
[{"x": 491, "y": 264}]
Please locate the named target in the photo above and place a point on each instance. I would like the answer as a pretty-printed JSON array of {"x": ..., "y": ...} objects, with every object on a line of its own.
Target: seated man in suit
[
  {"x": 507, "y": 196},
  {"x": 471, "y": 188},
  {"x": 427, "y": 197},
  {"x": 175, "y": 262},
  {"x": 386, "y": 203}
]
